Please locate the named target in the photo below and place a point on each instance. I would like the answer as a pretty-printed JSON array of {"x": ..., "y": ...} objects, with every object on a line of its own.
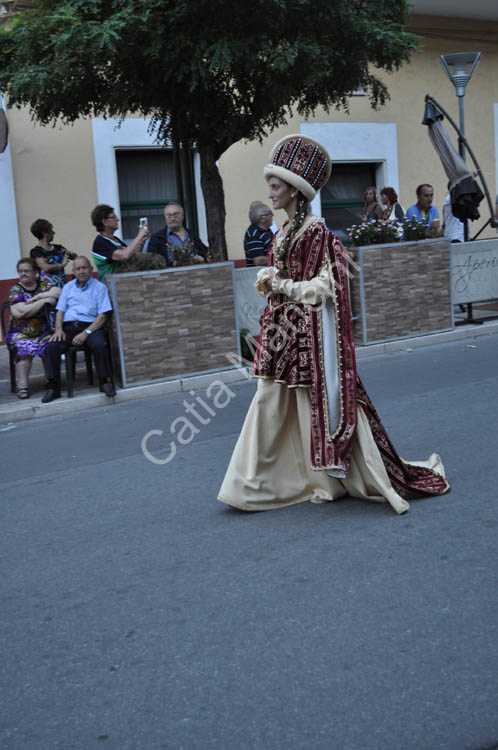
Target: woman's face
[
  {"x": 111, "y": 222},
  {"x": 281, "y": 194},
  {"x": 370, "y": 196},
  {"x": 27, "y": 276},
  {"x": 49, "y": 236},
  {"x": 384, "y": 199}
]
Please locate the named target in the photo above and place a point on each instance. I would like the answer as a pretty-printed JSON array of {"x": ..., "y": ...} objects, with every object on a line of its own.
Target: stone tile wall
[
  {"x": 172, "y": 322},
  {"x": 406, "y": 289}
]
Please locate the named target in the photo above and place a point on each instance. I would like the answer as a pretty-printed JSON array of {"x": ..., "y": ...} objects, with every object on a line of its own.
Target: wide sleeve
[{"x": 311, "y": 292}]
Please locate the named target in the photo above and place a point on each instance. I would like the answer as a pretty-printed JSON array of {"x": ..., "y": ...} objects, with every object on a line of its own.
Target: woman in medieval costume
[{"x": 311, "y": 432}]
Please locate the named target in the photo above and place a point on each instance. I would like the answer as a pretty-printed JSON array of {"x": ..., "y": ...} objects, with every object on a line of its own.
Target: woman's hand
[
  {"x": 38, "y": 297},
  {"x": 34, "y": 299},
  {"x": 142, "y": 235},
  {"x": 264, "y": 280},
  {"x": 50, "y": 295}
]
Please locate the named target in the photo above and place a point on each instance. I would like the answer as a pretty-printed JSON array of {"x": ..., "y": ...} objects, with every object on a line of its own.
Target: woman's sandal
[{"x": 23, "y": 393}]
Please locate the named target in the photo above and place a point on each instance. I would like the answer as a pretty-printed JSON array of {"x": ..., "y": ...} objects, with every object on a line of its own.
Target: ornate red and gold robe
[{"x": 311, "y": 405}]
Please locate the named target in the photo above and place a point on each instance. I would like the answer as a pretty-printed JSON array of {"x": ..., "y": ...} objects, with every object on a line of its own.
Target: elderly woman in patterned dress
[
  {"x": 311, "y": 432},
  {"x": 30, "y": 326}
]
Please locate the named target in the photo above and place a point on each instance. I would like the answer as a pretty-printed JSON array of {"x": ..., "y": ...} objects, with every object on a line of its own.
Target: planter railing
[
  {"x": 401, "y": 289},
  {"x": 173, "y": 322}
]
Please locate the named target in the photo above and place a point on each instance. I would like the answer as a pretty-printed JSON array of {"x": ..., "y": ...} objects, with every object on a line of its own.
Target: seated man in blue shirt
[
  {"x": 81, "y": 314},
  {"x": 423, "y": 210},
  {"x": 175, "y": 234}
]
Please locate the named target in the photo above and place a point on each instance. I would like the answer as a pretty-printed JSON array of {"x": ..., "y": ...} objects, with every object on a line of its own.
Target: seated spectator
[
  {"x": 423, "y": 210},
  {"x": 258, "y": 236},
  {"x": 108, "y": 250},
  {"x": 30, "y": 326},
  {"x": 50, "y": 258},
  {"x": 372, "y": 211},
  {"x": 176, "y": 235},
  {"x": 393, "y": 210},
  {"x": 81, "y": 314}
]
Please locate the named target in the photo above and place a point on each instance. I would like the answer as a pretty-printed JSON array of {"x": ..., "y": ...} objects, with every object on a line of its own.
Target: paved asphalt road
[{"x": 139, "y": 613}]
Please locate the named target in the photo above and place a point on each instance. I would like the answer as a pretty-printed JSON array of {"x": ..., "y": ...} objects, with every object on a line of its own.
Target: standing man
[
  {"x": 81, "y": 314},
  {"x": 423, "y": 210},
  {"x": 175, "y": 234},
  {"x": 258, "y": 235}
]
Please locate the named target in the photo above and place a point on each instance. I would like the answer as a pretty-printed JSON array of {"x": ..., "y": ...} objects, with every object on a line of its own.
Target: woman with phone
[{"x": 109, "y": 251}]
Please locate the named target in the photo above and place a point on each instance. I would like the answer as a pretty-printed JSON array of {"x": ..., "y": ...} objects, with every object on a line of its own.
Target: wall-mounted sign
[
  {"x": 249, "y": 304},
  {"x": 474, "y": 271}
]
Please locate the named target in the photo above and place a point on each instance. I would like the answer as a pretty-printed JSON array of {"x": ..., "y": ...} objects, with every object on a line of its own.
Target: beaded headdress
[{"x": 302, "y": 162}]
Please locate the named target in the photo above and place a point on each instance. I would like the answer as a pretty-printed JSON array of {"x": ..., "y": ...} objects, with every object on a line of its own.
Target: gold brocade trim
[
  {"x": 287, "y": 302},
  {"x": 304, "y": 227},
  {"x": 330, "y": 436},
  {"x": 432, "y": 471},
  {"x": 282, "y": 382},
  {"x": 281, "y": 234},
  {"x": 334, "y": 467},
  {"x": 425, "y": 468}
]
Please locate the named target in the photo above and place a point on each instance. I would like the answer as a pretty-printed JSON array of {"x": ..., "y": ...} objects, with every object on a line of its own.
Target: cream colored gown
[{"x": 271, "y": 463}]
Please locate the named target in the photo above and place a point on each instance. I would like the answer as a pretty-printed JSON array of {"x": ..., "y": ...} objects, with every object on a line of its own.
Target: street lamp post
[{"x": 459, "y": 68}]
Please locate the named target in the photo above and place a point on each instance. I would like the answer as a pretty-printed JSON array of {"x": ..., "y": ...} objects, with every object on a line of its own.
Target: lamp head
[{"x": 459, "y": 68}]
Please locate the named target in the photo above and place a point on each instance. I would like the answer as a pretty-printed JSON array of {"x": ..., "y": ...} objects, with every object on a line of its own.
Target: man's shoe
[
  {"x": 108, "y": 389},
  {"x": 50, "y": 395}
]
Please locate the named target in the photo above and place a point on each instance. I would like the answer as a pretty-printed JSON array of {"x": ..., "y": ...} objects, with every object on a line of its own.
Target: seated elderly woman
[{"x": 30, "y": 326}]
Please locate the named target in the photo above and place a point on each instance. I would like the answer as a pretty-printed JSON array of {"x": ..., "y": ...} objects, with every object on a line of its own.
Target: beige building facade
[{"x": 61, "y": 173}]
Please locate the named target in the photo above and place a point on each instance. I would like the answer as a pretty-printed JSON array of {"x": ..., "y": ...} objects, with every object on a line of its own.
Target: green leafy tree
[{"x": 209, "y": 72}]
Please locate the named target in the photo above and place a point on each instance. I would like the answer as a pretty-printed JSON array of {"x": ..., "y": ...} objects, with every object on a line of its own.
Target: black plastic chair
[
  {"x": 71, "y": 361},
  {"x": 71, "y": 355},
  {"x": 12, "y": 362}
]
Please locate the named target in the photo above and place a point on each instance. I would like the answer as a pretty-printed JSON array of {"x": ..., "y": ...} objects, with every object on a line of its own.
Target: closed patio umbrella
[{"x": 465, "y": 193}]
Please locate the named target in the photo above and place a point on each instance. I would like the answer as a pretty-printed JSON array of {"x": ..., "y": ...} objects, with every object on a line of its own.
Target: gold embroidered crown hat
[{"x": 302, "y": 162}]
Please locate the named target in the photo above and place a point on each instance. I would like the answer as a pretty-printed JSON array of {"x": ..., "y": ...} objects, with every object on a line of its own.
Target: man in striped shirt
[{"x": 259, "y": 235}]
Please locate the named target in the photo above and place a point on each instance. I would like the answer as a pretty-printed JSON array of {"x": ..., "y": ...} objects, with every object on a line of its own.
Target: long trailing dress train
[{"x": 312, "y": 432}]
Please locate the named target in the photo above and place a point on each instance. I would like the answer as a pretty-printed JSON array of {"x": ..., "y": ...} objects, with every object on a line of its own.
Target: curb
[
  {"x": 430, "y": 339},
  {"x": 17, "y": 413}
]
